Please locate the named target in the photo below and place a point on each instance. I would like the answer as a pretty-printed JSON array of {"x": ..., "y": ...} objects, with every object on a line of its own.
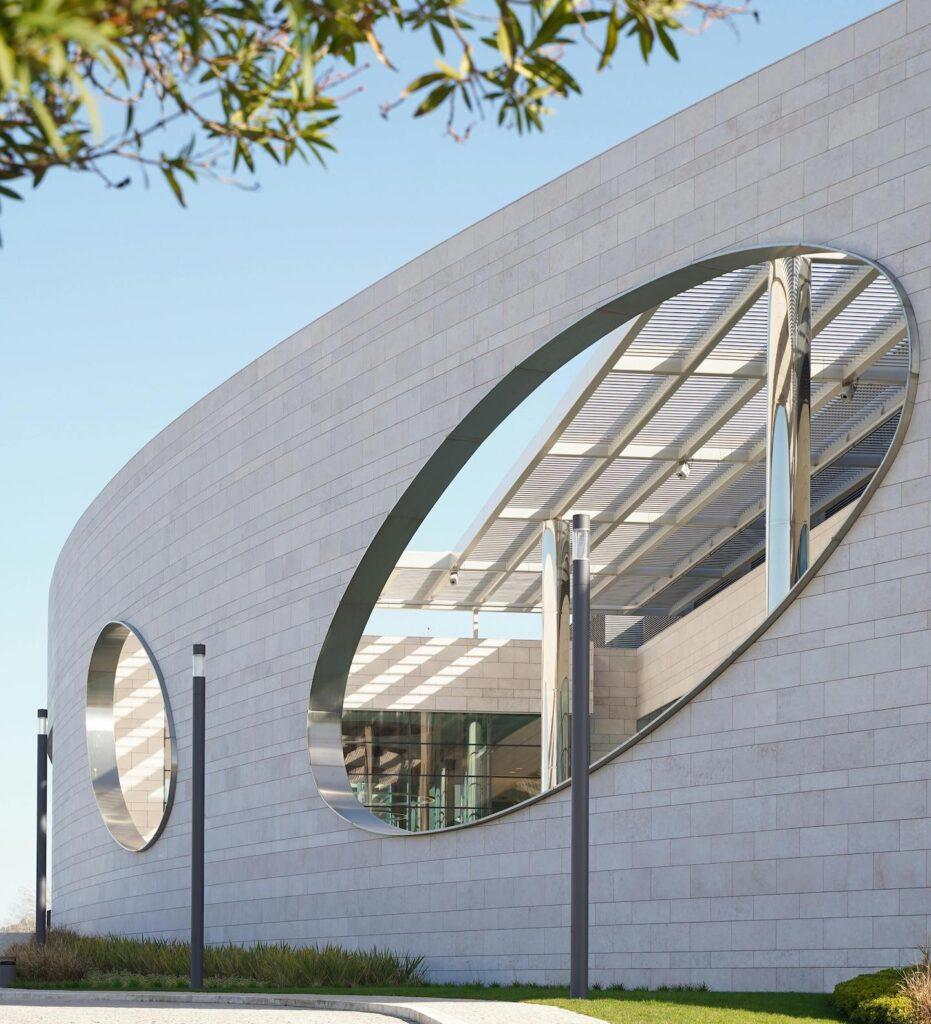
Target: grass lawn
[
  {"x": 614, "y": 1005},
  {"x": 120, "y": 963},
  {"x": 702, "y": 1007}
]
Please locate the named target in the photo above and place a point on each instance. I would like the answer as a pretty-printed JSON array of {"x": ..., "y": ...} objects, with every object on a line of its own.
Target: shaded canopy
[{"x": 661, "y": 438}]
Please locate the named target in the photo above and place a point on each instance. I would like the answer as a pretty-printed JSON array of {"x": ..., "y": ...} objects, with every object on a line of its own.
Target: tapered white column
[
  {"x": 555, "y": 653},
  {"x": 788, "y": 428}
]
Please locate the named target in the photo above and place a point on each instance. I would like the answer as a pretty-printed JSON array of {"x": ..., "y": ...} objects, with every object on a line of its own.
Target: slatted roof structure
[{"x": 684, "y": 383}]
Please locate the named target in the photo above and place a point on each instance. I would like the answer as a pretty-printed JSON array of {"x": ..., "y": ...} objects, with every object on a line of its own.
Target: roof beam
[
  {"x": 844, "y": 373},
  {"x": 839, "y": 453},
  {"x": 837, "y": 303},
  {"x": 621, "y": 510},
  {"x": 612, "y": 353},
  {"x": 741, "y": 369},
  {"x": 598, "y": 367},
  {"x": 862, "y": 430},
  {"x": 606, "y": 353},
  {"x": 738, "y": 563},
  {"x": 717, "y": 366},
  {"x": 726, "y": 321}
]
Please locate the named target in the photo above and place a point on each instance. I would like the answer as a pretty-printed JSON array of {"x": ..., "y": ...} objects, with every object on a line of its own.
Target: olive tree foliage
[{"x": 191, "y": 88}]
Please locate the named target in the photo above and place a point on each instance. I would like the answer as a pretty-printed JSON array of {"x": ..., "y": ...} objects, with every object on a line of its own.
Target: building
[{"x": 767, "y": 825}]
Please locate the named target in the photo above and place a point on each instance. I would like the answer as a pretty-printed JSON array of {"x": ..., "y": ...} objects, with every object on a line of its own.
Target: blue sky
[{"x": 119, "y": 309}]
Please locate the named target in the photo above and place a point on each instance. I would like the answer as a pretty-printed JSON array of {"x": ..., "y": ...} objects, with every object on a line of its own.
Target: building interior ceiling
[{"x": 661, "y": 438}]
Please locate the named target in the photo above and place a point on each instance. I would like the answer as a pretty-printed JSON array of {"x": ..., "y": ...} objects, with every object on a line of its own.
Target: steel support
[
  {"x": 581, "y": 757},
  {"x": 477, "y": 781},
  {"x": 41, "y": 825},
  {"x": 554, "y": 672},
  {"x": 197, "y": 820},
  {"x": 788, "y": 427}
]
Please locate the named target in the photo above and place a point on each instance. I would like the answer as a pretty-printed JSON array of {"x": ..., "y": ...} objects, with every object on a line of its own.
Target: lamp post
[
  {"x": 197, "y": 820},
  {"x": 581, "y": 756},
  {"x": 41, "y": 823}
]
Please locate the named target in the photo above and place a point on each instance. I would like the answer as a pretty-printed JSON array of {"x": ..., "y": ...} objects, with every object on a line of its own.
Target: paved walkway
[
  {"x": 154, "y": 1014},
  {"x": 19, "y": 1006}
]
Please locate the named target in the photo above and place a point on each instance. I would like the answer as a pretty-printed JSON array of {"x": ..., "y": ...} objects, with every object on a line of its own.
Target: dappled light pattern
[{"x": 130, "y": 742}]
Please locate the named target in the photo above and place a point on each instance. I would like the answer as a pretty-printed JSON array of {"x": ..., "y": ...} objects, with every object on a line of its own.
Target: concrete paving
[
  {"x": 17, "y": 1006},
  {"x": 184, "y": 1014}
]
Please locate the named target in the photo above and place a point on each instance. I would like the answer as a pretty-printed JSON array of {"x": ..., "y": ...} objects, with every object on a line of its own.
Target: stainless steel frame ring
[
  {"x": 101, "y": 739},
  {"x": 327, "y": 688}
]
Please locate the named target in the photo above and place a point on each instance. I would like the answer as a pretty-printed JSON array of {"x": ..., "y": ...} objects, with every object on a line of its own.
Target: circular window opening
[{"x": 130, "y": 738}]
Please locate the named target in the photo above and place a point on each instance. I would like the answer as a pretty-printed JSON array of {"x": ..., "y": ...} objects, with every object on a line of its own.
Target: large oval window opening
[
  {"x": 130, "y": 738},
  {"x": 776, "y": 387}
]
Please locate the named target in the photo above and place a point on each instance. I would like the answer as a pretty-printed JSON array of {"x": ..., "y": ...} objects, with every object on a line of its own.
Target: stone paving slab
[{"x": 179, "y": 1007}]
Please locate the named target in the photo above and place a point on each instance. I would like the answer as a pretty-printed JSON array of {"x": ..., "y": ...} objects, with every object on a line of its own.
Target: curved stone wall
[{"x": 773, "y": 833}]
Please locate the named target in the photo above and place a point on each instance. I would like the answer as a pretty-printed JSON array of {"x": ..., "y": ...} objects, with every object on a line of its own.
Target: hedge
[{"x": 874, "y": 999}]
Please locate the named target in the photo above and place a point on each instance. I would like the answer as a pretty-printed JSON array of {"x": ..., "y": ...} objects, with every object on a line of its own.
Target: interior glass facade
[{"x": 431, "y": 769}]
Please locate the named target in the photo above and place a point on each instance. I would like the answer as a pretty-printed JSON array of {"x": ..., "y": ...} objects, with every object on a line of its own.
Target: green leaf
[
  {"x": 434, "y": 98},
  {"x": 503, "y": 42},
  {"x": 423, "y": 81},
  {"x": 668, "y": 45},
  {"x": 47, "y": 122},
  {"x": 645, "y": 37},
  {"x": 610, "y": 39},
  {"x": 173, "y": 183},
  {"x": 556, "y": 20}
]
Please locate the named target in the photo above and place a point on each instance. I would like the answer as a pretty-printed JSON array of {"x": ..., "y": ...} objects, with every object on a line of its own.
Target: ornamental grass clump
[
  {"x": 279, "y": 965},
  {"x": 104, "y": 959},
  {"x": 56, "y": 962},
  {"x": 915, "y": 986}
]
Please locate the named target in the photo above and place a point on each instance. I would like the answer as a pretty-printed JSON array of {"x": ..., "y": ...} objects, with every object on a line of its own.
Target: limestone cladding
[{"x": 774, "y": 833}]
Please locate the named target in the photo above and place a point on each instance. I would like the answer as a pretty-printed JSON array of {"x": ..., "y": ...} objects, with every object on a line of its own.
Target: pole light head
[
  {"x": 200, "y": 657},
  {"x": 581, "y": 533},
  {"x": 42, "y": 722}
]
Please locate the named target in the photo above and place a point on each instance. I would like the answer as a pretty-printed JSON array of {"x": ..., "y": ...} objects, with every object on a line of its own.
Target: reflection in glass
[
  {"x": 423, "y": 770},
  {"x": 129, "y": 738}
]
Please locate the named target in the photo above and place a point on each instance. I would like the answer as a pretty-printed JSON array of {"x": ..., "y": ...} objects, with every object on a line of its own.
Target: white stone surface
[
  {"x": 124, "y": 1014},
  {"x": 774, "y": 833},
  {"x": 432, "y": 673},
  {"x": 61, "y": 1006},
  {"x": 683, "y": 654}
]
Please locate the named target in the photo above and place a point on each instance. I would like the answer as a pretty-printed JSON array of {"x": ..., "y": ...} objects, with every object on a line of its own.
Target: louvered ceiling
[{"x": 683, "y": 382}]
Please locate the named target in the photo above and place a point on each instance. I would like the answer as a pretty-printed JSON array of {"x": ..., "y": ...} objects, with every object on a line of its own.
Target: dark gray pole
[
  {"x": 581, "y": 756},
  {"x": 197, "y": 821},
  {"x": 41, "y": 824}
]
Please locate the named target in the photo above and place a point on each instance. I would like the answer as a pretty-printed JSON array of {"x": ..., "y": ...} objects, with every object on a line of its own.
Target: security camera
[
  {"x": 453, "y": 577},
  {"x": 849, "y": 389},
  {"x": 683, "y": 470}
]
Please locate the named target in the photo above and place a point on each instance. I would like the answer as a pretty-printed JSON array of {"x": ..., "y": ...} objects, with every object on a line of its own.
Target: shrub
[
  {"x": 916, "y": 987},
  {"x": 886, "y": 1010},
  {"x": 70, "y": 957},
  {"x": 874, "y": 998}
]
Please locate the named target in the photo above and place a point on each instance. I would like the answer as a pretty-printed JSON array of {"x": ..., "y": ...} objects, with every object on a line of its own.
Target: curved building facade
[{"x": 768, "y": 825}]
